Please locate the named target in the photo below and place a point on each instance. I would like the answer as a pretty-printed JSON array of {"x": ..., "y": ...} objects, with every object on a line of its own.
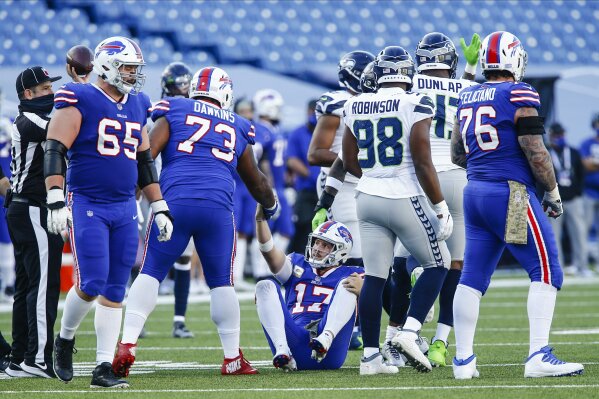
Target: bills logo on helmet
[
  {"x": 226, "y": 81},
  {"x": 347, "y": 63},
  {"x": 111, "y": 48},
  {"x": 344, "y": 232}
]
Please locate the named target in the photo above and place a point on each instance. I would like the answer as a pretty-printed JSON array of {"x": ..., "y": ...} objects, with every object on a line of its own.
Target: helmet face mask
[
  {"x": 176, "y": 80},
  {"x": 119, "y": 62},
  {"x": 437, "y": 51},
  {"x": 214, "y": 83},
  {"x": 338, "y": 236},
  {"x": 350, "y": 69},
  {"x": 368, "y": 82},
  {"x": 394, "y": 65},
  {"x": 503, "y": 51}
]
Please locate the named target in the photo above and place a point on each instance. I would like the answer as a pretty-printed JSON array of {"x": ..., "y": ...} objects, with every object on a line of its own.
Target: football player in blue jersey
[
  {"x": 499, "y": 140},
  {"x": 310, "y": 328},
  {"x": 101, "y": 129},
  {"x": 202, "y": 143}
]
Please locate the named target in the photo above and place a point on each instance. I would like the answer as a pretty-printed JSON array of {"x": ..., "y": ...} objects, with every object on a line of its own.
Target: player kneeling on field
[{"x": 310, "y": 328}]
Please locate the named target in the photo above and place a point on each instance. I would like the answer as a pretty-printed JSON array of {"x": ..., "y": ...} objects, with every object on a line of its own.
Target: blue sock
[
  {"x": 182, "y": 282},
  {"x": 400, "y": 292},
  {"x": 370, "y": 307},
  {"x": 446, "y": 296},
  {"x": 425, "y": 292}
]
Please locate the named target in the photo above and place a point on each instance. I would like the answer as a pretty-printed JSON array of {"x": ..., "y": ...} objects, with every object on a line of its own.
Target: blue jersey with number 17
[
  {"x": 307, "y": 294},
  {"x": 486, "y": 116},
  {"x": 103, "y": 157},
  {"x": 200, "y": 158}
]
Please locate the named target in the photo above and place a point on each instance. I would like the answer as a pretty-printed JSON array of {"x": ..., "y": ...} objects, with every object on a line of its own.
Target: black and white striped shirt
[{"x": 27, "y": 166}]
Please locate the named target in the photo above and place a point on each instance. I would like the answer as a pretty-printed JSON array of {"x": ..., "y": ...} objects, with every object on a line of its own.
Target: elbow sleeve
[
  {"x": 146, "y": 171},
  {"x": 54, "y": 158}
]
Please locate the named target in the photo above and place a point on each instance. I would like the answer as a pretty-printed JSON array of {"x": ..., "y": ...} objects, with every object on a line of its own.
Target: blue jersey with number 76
[
  {"x": 200, "y": 158},
  {"x": 486, "y": 115}
]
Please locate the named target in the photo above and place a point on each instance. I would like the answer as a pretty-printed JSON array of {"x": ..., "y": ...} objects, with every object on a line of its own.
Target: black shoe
[
  {"x": 63, "y": 358},
  {"x": 43, "y": 370},
  {"x": 15, "y": 371},
  {"x": 103, "y": 377},
  {"x": 4, "y": 363}
]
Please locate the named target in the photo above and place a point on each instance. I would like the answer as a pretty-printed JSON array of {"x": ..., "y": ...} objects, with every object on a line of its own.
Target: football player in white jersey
[
  {"x": 386, "y": 143},
  {"x": 326, "y": 143},
  {"x": 436, "y": 61}
]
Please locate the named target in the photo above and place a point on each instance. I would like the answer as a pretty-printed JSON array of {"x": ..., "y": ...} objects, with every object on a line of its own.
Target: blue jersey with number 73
[
  {"x": 200, "y": 158},
  {"x": 486, "y": 115}
]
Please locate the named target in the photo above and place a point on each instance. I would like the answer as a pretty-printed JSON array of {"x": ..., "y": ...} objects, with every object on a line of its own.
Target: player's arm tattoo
[
  {"x": 458, "y": 152},
  {"x": 539, "y": 160}
]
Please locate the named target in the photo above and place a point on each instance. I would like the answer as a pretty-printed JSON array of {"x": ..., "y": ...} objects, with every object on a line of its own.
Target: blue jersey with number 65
[
  {"x": 486, "y": 116},
  {"x": 103, "y": 157},
  {"x": 200, "y": 158}
]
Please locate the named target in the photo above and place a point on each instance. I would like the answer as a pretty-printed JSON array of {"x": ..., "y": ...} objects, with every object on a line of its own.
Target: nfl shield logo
[{"x": 90, "y": 213}]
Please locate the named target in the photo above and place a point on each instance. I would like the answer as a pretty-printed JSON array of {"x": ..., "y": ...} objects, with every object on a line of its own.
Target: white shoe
[
  {"x": 465, "y": 369},
  {"x": 375, "y": 365},
  {"x": 392, "y": 355},
  {"x": 320, "y": 345},
  {"x": 543, "y": 363},
  {"x": 285, "y": 362},
  {"x": 422, "y": 344},
  {"x": 406, "y": 343}
]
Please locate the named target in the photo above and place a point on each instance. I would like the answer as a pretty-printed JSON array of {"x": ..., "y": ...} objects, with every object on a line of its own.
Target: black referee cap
[{"x": 34, "y": 76}]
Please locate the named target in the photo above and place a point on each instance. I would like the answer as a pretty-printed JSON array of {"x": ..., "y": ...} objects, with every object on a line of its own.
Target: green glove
[
  {"x": 319, "y": 218},
  {"x": 471, "y": 51}
]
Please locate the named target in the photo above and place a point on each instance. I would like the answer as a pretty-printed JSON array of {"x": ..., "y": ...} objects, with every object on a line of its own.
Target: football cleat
[
  {"x": 38, "y": 369},
  {"x": 180, "y": 331},
  {"x": 104, "y": 377},
  {"x": 392, "y": 355},
  {"x": 413, "y": 277},
  {"x": 375, "y": 365},
  {"x": 237, "y": 366},
  {"x": 406, "y": 343},
  {"x": 320, "y": 345},
  {"x": 284, "y": 362},
  {"x": 465, "y": 369},
  {"x": 543, "y": 363},
  {"x": 124, "y": 359},
  {"x": 356, "y": 340},
  {"x": 63, "y": 358},
  {"x": 437, "y": 354},
  {"x": 422, "y": 344}
]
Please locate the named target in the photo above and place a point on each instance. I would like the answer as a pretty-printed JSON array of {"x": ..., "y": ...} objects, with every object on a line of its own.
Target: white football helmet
[
  {"x": 503, "y": 51},
  {"x": 111, "y": 54},
  {"x": 268, "y": 103},
  {"x": 335, "y": 233},
  {"x": 214, "y": 83}
]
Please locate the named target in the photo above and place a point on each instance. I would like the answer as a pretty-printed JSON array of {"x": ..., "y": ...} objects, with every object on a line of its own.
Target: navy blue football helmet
[
  {"x": 394, "y": 64},
  {"x": 368, "y": 80},
  {"x": 436, "y": 51},
  {"x": 351, "y": 66},
  {"x": 176, "y": 79}
]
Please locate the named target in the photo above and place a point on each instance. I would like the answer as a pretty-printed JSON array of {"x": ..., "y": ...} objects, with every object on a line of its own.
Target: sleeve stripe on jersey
[
  {"x": 159, "y": 107},
  {"x": 530, "y": 92},
  {"x": 67, "y": 92},
  {"x": 68, "y": 100},
  {"x": 423, "y": 110},
  {"x": 514, "y": 99},
  {"x": 163, "y": 102},
  {"x": 252, "y": 132}
]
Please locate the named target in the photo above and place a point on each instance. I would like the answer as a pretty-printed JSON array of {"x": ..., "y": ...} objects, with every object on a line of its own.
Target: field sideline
[{"x": 191, "y": 368}]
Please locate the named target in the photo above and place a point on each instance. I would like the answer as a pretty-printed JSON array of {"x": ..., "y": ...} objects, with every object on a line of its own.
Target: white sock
[
  {"x": 179, "y": 319},
  {"x": 108, "y": 326},
  {"x": 370, "y": 351},
  {"x": 281, "y": 242},
  {"x": 7, "y": 265},
  {"x": 240, "y": 257},
  {"x": 271, "y": 314},
  {"x": 442, "y": 333},
  {"x": 413, "y": 325},
  {"x": 341, "y": 310},
  {"x": 224, "y": 311},
  {"x": 541, "y": 303},
  {"x": 141, "y": 301},
  {"x": 466, "y": 304},
  {"x": 75, "y": 310},
  {"x": 391, "y": 331}
]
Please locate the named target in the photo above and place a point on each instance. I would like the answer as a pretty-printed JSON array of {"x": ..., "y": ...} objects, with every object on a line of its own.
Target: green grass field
[{"x": 175, "y": 368}]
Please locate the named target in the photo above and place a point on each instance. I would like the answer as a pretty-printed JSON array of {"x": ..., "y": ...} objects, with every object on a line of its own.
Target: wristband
[
  {"x": 471, "y": 69},
  {"x": 267, "y": 246},
  {"x": 441, "y": 208},
  {"x": 334, "y": 183},
  {"x": 553, "y": 195}
]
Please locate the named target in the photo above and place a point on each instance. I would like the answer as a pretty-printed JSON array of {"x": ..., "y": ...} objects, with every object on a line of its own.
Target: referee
[{"x": 38, "y": 254}]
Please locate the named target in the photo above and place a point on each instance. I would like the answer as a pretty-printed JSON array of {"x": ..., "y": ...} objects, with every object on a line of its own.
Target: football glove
[
  {"x": 471, "y": 51},
  {"x": 319, "y": 218},
  {"x": 272, "y": 212},
  {"x": 445, "y": 221},
  {"x": 553, "y": 202},
  {"x": 163, "y": 219},
  {"x": 59, "y": 216}
]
